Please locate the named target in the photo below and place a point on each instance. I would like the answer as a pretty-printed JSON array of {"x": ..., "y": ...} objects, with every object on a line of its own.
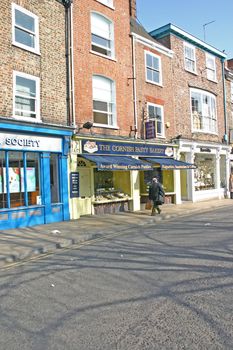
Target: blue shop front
[{"x": 33, "y": 175}]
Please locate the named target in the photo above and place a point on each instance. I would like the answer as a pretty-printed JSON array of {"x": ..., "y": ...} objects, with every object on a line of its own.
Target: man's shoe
[{"x": 153, "y": 214}]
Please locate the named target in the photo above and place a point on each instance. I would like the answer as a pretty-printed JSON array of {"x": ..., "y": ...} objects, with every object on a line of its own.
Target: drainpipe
[
  {"x": 67, "y": 4},
  {"x": 72, "y": 66},
  {"x": 134, "y": 89},
  {"x": 225, "y": 138}
]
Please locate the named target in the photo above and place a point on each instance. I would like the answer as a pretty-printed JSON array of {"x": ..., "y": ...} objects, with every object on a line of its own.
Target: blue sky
[{"x": 191, "y": 16}]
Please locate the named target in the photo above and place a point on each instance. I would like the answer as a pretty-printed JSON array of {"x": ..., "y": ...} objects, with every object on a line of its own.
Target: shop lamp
[{"x": 87, "y": 125}]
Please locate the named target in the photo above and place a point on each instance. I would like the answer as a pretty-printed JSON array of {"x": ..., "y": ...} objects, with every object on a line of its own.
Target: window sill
[
  {"x": 106, "y": 126},
  {"x": 26, "y": 48},
  {"x": 104, "y": 56},
  {"x": 108, "y": 6},
  {"x": 25, "y": 119},
  {"x": 213, "y": 81},
  {"x": 190, "y": 71},
  {"x": 153, "y": 83},
  {"x": 205, "y": 132}
]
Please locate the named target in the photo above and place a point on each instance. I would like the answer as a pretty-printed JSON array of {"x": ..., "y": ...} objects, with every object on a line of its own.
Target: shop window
[
  {"x": 3, "y": 195},
  {"x": 205, "y": 174},
  {"x": 223, "y": 180},
  {"x": 204, "y": 113},
  {"x": 15, "y": 174},
  {"x": 102, "y": 40},
  {"x": 189, "y": 58},
  {"x": 33, "y": 179},
  {"x": 111, "y": 185},
  {"x": 25, "y": 29},
  {"x": 26, "y": 97},
  {"x": 104, "y": 105},
  {"x": 54, "y": 178},
  {"x": 153, "y": 68}
]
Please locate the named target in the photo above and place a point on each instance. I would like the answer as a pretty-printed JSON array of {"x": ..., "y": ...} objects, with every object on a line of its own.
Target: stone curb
[{"x": 69, "y": 242}]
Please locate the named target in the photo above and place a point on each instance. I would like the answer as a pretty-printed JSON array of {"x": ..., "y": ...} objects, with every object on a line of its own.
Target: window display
[
  {"x": 204, "y": 175},
  {"x": 106, "y": 187}
]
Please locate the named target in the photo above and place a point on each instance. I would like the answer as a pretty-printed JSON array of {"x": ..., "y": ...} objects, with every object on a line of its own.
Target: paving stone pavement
[{"x": 25, "y": 243}]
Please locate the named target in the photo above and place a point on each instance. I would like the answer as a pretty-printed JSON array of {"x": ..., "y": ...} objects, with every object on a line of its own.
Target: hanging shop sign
[
  {"x": 123, "y": 148},
  {"x": 30, "y": 143}
]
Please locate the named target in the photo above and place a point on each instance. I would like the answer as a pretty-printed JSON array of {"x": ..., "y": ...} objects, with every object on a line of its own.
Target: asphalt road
[{"x": 164, "y": 286}]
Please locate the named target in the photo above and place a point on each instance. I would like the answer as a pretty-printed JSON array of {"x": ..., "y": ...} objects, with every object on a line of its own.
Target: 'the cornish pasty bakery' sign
[{"x": 123, "y": 148}]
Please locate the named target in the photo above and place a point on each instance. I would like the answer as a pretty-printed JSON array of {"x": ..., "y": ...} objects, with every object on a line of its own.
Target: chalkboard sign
[{"x": 74, "y": 184}]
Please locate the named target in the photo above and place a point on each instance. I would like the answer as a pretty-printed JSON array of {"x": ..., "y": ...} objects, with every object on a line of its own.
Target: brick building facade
[
  {"x": 33, "y": 113},
  {"x": 199, "y": 112}
]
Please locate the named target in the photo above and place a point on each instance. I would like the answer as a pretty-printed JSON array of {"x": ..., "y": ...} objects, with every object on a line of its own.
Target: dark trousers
[{"x": 231, "y": 195}]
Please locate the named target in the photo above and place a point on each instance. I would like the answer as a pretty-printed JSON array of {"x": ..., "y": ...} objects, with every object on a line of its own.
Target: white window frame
[
  {"x": 34, "y": 49},
  {"x": 108, "y": 3},
  {"x": 211, "y": 70},
  {"x": 37, "y": 118},
  {"x": 154, "y": 105},
  {"x": 201, "y": 122},
  {"x": 188, "y": 60},
  {"x": 109, "y": 37},
  {"x": 111, "y": 105},
  {"x": 231, "y": 91},
  {"x": 159, "y": 70}
]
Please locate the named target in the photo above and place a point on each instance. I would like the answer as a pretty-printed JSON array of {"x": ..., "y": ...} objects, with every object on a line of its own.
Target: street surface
[{"x": 164, "y": 286}]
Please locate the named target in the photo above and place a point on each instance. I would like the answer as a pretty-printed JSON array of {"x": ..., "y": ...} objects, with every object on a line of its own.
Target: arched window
[{"x": 102, "y": 38}]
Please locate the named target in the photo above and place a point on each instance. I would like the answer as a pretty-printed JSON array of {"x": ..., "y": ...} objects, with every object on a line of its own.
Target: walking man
[{"x": 156, "y": 194}]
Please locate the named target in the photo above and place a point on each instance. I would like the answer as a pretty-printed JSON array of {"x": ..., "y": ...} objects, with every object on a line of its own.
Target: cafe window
[{"x": 204, "y": 174}]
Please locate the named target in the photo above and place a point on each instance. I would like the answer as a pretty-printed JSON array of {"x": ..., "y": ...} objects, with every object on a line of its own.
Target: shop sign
[
  {"x": 30, "y": 143},
  {"x": 150, "y": 129},
  {"x": 123, "y": 148},
  {"x": 74, "y": 185},
  {"x": 205, "y": 149}
]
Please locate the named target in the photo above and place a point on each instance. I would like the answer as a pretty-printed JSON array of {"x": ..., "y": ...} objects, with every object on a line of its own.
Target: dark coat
[{"x": 155, "y": 191}]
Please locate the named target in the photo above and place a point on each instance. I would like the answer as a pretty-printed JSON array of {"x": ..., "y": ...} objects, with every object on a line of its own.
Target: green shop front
[{"x": 109, "y": 176}]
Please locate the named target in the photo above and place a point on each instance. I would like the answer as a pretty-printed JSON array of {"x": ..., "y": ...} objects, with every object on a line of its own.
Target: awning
[
  {"x": 170, "y": 163},
  {"x": 117, "y": 162}
]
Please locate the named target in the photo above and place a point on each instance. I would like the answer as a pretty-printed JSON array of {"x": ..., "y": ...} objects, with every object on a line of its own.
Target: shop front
[
  {"x": 211, "y": 176},
  {"x": 33, "y": 175},
  {"x": 113, "y": 175}
]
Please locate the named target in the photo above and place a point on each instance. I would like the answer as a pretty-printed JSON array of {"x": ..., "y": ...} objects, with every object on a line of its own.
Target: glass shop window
[
  {"x": 223, "y": 180},
  {"x": 3, "y": 196},
  {"x": 205, "y": 174},
  {"x": 146, "y": 179},
  {"x": 54, "y": 178},
  {"x": 33, "y": 179},
  {"x": 111, "y": 185},
  {"x": 15, "y": 179}
]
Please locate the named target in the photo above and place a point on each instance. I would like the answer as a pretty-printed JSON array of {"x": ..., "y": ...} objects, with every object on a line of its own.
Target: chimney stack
[{"x": 133, "y": 8}]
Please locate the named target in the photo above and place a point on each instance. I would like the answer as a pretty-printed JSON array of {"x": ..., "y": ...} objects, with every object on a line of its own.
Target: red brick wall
[
  {"x": 182, "y": 81},
  {"x": 49, "y": 66},
  {"x": 86, "y": 64},
  {"x": 148, "y": 92}
]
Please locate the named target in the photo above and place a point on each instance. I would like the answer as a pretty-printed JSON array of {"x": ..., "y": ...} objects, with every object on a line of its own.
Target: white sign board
[{"x": 30, "y": 143}]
